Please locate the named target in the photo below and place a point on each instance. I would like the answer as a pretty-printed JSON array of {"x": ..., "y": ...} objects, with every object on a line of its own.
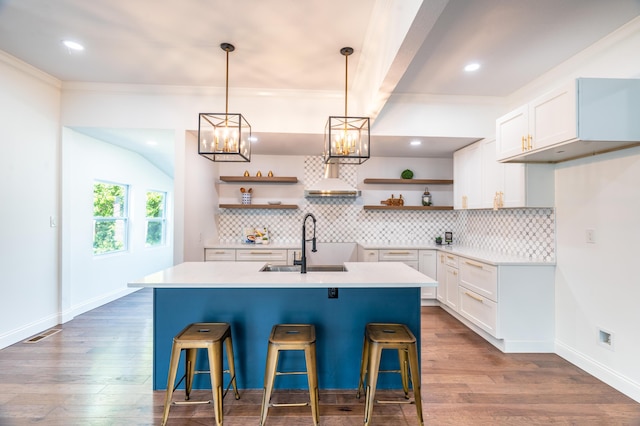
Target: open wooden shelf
[
  {"x": 265, "y": 179},
  {"x": 259, "y": 206},
  {"x": 410, "y": 181},
  {"x": 383, "y": 207}
]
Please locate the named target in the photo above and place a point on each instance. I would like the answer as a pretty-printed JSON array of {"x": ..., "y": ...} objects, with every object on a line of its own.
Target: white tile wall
[{"x": 525, "y": 232}]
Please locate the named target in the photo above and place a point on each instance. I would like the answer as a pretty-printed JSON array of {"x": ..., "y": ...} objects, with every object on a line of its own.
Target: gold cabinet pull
[
  {"x": 529, "y": 146},
  {"x": 471, "y": 263},
  {"x": 524, "y": 148},
  {"x": 399, "y": 252},
  {"x": 450, "y": 257},
  {"x": 476, "y": 298},
  {"x": 260, "y": 252},
  {"x": 219, "y": 252}
]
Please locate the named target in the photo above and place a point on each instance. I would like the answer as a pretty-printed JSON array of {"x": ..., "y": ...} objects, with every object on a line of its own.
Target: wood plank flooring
[{"x": 97, "y": 371}]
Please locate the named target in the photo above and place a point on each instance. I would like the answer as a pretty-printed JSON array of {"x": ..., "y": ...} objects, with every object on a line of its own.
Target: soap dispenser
[{"x": 426, "y": 197}]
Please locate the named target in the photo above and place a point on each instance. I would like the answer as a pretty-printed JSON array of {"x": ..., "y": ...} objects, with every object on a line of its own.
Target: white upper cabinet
[
  {"x": 584, "y": 117},
  {"x": 514, "y": 185},
  {"x": 481, "y": 182},
  {"x": 467, "y": 175}
]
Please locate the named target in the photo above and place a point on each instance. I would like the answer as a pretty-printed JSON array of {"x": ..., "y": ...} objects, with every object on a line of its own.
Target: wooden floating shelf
[
  {"x": 259, "y": 206},
  {"x": 383, "y": 207},
  {"x": 265, "y": 179},
  {"x": 410, "y": 181}
]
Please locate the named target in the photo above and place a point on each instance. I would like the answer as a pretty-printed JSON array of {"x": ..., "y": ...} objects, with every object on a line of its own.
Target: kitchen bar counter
[{"x": 253, "y": 301}]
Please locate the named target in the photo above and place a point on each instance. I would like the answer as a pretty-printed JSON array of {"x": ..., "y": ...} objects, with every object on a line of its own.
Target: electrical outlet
[
  {"x": 605, "y": 339},
  {"x": 333, "y": 293},
  {"x": 591, "y": 236}
]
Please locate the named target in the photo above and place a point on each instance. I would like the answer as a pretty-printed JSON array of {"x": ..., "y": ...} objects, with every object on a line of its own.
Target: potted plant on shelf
[{"x": 439, "y": 240}]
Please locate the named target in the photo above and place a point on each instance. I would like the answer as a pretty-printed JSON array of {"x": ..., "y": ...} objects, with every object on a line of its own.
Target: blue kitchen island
[{"x": 253, "y": 301}]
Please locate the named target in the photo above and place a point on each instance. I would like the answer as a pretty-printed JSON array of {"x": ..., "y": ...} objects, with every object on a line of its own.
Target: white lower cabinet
[
  {"x": 421, "y": 260},
  {"x": 512, "y": 306},
  {"x": 273, "y": 256},
  {"x": 427, "y": 265}
]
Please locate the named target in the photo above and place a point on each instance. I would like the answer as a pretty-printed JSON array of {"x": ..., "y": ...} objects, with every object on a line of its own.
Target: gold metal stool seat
[
  {"x": 379, "y": 336},
  {"x": 209, "y": 336},
  {"x": 288, "y": 337}
]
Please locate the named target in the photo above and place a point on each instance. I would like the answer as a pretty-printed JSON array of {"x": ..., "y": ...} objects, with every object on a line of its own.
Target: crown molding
[{"x": 22, "y": 66}]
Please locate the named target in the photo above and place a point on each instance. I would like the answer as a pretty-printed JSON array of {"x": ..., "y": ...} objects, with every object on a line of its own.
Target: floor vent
[{"x": 39, "y": 337}]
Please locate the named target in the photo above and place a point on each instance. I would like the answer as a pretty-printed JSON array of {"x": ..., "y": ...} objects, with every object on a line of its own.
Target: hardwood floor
[{"x": 97, "y": 371}]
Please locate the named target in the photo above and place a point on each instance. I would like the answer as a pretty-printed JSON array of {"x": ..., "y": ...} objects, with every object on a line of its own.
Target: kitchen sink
[{"x": 296, "y": 268}]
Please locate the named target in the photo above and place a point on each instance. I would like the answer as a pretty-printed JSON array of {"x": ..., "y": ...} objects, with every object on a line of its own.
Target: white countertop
[{"x": 248, "y": 275}]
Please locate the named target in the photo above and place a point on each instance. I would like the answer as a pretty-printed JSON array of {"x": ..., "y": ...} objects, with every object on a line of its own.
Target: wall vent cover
[{"x": 39, "y": 337}]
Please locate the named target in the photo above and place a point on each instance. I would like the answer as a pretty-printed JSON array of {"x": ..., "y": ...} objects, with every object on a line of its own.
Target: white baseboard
[
  {"x": 38, "y": 326},
  {"x": 28, "y": 330},
  {"x": 600, "y": 371},
  {"x": 96, "y": 302}
]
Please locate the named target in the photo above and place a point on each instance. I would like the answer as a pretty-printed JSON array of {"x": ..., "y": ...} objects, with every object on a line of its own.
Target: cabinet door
[
  {"x": 441, "y": 272},
  {"x": 492, "y": 175},
  {"x": 427, "y": 265},
  {"x": 467, "y": 181},
  {"x": 510, "y": 131},
  {"x": 451, "y": 282},
  {"x": 552, "y": 117},
  {"x": 365, "y": 255},
  {"x": 217, "y": 255}
]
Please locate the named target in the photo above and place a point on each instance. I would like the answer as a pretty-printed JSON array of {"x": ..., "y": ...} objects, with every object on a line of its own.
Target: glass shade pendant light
[
  {"x": 346, "y": 139},
  {"x": 224, "y": 137}
]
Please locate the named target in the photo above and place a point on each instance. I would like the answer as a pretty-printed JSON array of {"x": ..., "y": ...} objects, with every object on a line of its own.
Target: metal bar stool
[
  {"x": 209, "y": 336},
  {"x": 288, "y": 337},
  {"x": 379, "y": 336}
]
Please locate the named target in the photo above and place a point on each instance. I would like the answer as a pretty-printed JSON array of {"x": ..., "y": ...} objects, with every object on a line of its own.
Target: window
[
  {"x": 156, "y": 220},
  {"x": 109, "y": 217}
]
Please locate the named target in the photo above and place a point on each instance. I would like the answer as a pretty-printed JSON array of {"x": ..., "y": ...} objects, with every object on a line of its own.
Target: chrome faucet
[{"x": 303, "y": 259}]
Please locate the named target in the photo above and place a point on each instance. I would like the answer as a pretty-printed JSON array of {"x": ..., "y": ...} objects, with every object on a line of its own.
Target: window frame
[
  {"x": 123, "y": 219},
  {"x": 151, "y": 219}
]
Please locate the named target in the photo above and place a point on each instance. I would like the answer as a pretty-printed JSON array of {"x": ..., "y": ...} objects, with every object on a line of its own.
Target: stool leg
[
  {"x": 404, "y": 371},
  {"x": 232, "y": 369},
  {"x": 363, "y": 365},
  {"x": 269, "y": 376},
  {"x": 312, "y": 377},
  {"x": 215, "y": 371},
  {"x": 173, "y": 369},
  {"x": 415, "y": 379},
  {"x": 189, "y": 371},
  {"x": 372, "y": 381}
]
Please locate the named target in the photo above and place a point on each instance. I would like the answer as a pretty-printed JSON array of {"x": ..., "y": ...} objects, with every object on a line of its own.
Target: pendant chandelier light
[
  {"x": 346, "y": 139},
  {"x": 224, "y": 137}
]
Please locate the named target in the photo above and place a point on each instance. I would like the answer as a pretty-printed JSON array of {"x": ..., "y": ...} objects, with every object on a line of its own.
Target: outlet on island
[{"x": 333, "y": 293}]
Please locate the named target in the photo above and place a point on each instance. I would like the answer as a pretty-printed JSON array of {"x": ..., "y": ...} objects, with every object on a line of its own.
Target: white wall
[
  {"x": 89, "y": 281},
  {"x": 29, "y": 144}
]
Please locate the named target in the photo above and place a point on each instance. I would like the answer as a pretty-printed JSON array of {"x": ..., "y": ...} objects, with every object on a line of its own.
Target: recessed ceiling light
[
  {"x": 72, "y": 45},
  {"x": 152, "y": 143},
  {"x": 472, "y": 67},
  {"x": 415, "y": 143}
]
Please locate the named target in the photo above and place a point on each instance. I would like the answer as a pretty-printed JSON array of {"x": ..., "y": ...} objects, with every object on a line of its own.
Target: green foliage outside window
[
  {"x": 155, "y": 218},
  {"x": 109, "y": 217}
]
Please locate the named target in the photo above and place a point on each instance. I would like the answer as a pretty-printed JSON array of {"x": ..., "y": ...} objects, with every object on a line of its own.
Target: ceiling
[{"x": 291, "y": 45}]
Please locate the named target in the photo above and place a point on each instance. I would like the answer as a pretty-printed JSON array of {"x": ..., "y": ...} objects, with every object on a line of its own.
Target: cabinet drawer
[
  {"x": 368, "y": 255},
  {"x": 266, "y": 255},
  {"x": 219, "y": 255},
  {"x": 479, "y": 277},
  {"x": 398, "y": 255},
  {"x": 479, "y": 310},
  {"x": 451, "y": 260}
]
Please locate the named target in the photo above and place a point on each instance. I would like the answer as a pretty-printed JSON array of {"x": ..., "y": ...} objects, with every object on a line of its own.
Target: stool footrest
[
  {"x": 379, "y": 401},
  {"x": 191, "y": 402},
  {"x": 288, "y": 373},
  {"x": 291, "y": 404}
]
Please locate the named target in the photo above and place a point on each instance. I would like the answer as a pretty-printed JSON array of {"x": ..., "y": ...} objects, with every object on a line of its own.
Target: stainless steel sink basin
[{"x": 296, "y": 268}]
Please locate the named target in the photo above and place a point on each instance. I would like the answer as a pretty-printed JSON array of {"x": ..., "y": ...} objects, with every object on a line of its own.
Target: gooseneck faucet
[{"x": 303, "y": 259}]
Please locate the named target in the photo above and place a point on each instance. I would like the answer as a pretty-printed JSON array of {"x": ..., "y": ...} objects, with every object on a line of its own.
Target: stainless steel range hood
[{"x": 331, "y": 185}]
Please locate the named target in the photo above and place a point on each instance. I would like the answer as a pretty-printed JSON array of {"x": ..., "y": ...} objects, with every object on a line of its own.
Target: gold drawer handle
[
  {"x": 399, "y": 252},
  {"x": 479, "y": 299},
  {"x": 524, "y": 148},
  {"x": 450, "y": 257},
  {"x": 477, "y": 265},
  {"x": 220, "y": 252},
  {"x": 260, "y": 252}
]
